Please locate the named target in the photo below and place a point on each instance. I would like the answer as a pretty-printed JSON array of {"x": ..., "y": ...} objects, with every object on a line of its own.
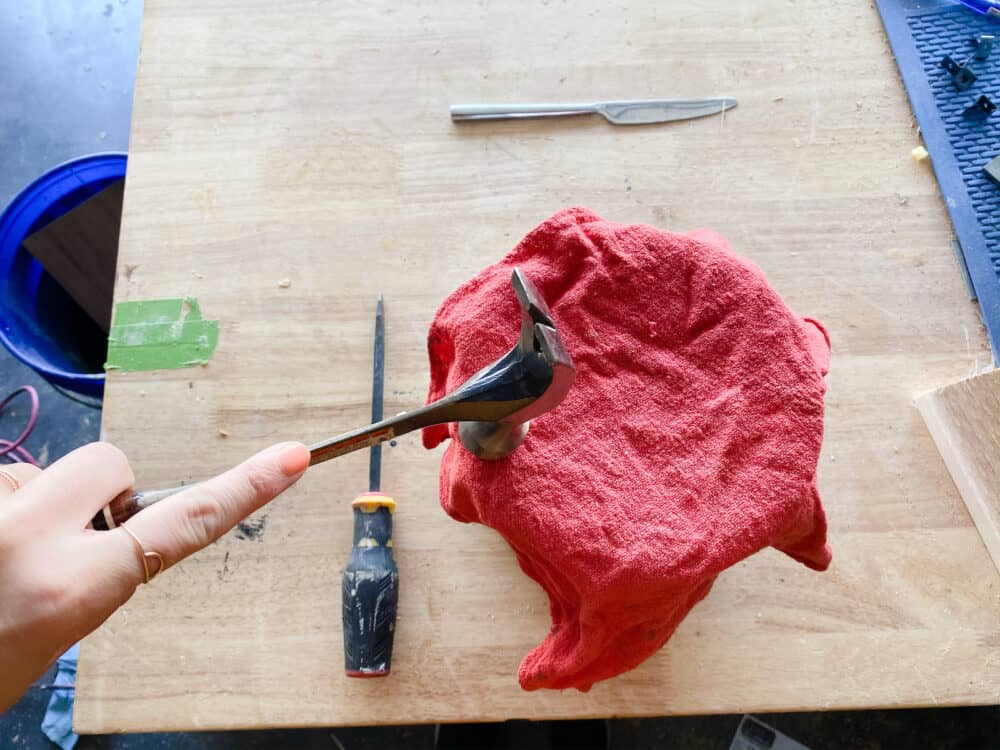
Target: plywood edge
[{"x": 964, "y": 420}]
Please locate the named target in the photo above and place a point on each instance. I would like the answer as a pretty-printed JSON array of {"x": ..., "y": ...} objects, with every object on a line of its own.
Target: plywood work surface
[{"x": 311, "y": 142}]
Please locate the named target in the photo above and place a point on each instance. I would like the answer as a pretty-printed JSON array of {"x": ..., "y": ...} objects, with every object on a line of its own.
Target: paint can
[{"x": 40, "y": 324}]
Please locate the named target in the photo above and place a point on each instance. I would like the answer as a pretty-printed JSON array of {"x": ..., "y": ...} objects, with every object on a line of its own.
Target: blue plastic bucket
[{"x": 40, "y": 323}]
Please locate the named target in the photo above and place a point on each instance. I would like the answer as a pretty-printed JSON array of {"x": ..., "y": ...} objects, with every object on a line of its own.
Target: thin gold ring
[
  {"x": 11, "y": 480},
  {"x": 144, "y": 555}
]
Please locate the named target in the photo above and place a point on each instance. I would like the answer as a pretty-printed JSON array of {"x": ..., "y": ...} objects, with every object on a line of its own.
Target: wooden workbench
[{"x": 311, "y": 141}]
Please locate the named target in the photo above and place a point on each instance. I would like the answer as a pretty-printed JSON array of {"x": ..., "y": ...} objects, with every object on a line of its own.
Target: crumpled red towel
[{"x": 689, "y": 440}]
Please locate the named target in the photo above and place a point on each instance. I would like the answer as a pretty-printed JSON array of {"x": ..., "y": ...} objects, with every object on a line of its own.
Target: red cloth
[{"x": 688, "y": 442}]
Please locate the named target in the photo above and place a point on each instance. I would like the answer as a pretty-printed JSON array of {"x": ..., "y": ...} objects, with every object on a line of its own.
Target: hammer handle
[
  {"x": 452, "y": 408},
  {"x": 373, "y": 434},
  {"x": 115, "y": 513},
  {"x": 449, "y": 409},
  {"x": 126, "y": 505},
  {"x": 131, "y": 501}
]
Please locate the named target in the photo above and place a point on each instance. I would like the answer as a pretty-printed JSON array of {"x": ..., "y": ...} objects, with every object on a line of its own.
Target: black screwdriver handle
[{"x": 370, "y": 589}]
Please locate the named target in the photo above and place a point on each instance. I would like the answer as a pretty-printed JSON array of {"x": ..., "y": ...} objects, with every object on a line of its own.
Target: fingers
[
  {"x": 76, "y": 486},
  {"x": 184, "y": 523},
  {"x": 59, "y": 580},
  {"x": 15, "y": 476}
]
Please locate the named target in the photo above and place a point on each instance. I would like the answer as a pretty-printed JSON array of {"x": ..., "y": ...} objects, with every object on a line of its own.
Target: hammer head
[{"x": 531, "y": 379}]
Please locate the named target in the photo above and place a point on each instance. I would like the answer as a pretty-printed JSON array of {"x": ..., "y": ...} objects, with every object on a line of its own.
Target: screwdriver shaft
[{"x": 378, "y": 387}]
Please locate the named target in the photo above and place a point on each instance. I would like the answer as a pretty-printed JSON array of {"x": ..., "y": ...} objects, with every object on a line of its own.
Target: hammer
[{"x": 493, "y": 407}]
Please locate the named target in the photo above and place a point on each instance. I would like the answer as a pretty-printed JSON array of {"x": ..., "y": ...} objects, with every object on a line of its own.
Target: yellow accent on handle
[{"x": 369, "y": 502}]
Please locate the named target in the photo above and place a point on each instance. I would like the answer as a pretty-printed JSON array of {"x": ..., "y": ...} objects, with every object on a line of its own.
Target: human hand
[{"x": 60, "y": 580}]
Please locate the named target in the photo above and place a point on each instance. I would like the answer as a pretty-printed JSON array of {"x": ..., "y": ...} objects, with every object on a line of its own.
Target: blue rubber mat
[{"x": 921, "y": 33}]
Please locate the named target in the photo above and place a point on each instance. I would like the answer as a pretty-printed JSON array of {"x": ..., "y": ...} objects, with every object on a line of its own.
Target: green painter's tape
[{"x": 160, "y": 334}]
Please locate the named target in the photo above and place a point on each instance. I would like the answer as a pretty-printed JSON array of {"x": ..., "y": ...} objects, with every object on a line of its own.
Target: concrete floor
[{"x": 67, "y": 72}]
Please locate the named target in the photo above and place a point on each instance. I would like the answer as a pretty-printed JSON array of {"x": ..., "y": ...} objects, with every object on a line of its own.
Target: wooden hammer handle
[
  {"x": 126, "y": 505},
  {"x": 115, "y": 513}
]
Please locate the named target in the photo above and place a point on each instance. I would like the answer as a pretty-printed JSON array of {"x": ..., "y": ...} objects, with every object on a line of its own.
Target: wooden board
[
  {"x": 964, "y": 420},
  {"x": 80, "y": 249},
  {"x": 312, "y": 141}
]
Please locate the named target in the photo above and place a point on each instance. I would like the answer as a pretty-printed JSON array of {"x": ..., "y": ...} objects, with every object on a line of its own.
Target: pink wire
[{"x": 12, "y": 449}]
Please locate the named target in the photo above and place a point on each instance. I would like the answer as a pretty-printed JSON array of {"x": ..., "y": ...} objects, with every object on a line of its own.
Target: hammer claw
[
  {"x": 534, "y": 309},
  {"x": 541, "y": 344}
]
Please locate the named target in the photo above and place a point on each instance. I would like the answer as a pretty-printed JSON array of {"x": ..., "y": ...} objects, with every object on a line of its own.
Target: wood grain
[
  {"x": 312, "y": 142},
  {"x": 964, "y": 420},
  {"x": 79, "y": 250}
]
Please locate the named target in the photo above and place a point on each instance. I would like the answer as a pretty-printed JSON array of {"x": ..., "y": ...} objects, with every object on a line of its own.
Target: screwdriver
[{"x": 371, "y": 579}]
